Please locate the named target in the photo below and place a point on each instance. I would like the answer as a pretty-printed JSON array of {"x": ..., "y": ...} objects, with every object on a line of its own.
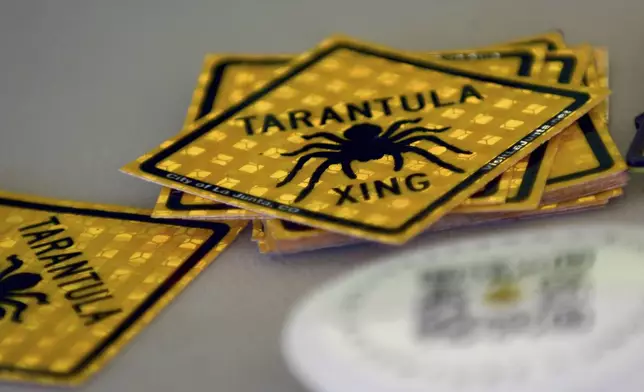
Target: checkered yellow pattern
[
  {"x": 552, "y": 71},
  {"x": 499, "y": 65},
  {"x": 132, "y": 259}
]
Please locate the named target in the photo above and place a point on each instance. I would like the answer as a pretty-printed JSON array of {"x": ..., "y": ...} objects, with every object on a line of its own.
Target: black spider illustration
[
  {"x": 12, "y": 286},
  {"x": 367, "y": 142}
]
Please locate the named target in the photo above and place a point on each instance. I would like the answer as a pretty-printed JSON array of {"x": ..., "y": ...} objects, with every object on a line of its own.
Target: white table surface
[{"x": 86, "y": 86}]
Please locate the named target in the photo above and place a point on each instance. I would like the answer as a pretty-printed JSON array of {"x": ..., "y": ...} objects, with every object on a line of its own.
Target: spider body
[
  {"x": 364, "y": 143},
  {"x": 367, "y": 142},
  {"x": 13, "y": 286}
]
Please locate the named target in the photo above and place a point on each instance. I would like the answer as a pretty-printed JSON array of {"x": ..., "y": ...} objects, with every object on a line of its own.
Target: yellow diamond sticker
[
  {"x": 225, "y": 78},
  {"x": 355, "y": 128},
  {"x": 78, "y": 281}
]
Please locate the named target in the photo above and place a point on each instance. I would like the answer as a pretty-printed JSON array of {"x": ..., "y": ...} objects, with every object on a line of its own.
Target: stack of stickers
[{"x": 355, "y": 141}]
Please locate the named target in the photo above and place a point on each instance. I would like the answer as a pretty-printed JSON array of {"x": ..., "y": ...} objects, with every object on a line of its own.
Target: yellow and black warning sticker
[
  {"x": 348, "y": 125},
  {"x": 587, "y": 152},
  {"x": 225, "y": 80},
  {"x": 79, "y": 280},
  {"x": 519, "y": 61},
  {"x": 566, "y": 66}
]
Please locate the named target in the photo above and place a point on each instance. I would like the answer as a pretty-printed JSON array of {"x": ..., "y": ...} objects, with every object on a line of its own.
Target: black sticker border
[
  {"x": 175, "y": 198},
  {"x": 149, "y": 166},
  {"x": 219, "y": 232},
  {"x": 489, "y": 189},
  {"x": 175, "y": 203}
]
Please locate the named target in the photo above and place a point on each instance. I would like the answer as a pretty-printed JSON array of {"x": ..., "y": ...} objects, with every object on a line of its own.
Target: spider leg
[
  {"x": 411, "y": 131},
  {"x": 396, "y": 126},
  {"x": 398, "y": 161},
  {"x": 325, "y": 135},
  {"x": 20, "y": 307},
  {"x": 310, "y": 147},
  {"x": 432, "y": 158},
  {"x": 15, "y": 262},
  {"x": 348, "y": 170},
  {"x": 300, "y": 164},
  {"x": 40, "y": 297},
  {"x": 314, "y": 179},
  {"x": 433, "y": 139}
]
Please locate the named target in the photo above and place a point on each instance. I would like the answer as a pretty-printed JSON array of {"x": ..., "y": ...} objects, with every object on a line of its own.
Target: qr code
[{"x": 504, "y": 297}]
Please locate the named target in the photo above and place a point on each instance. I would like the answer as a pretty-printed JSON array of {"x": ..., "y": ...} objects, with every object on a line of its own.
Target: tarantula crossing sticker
[
  {"x": 77, "y": 279},
  {"x": 365, "y": 141},
  {"x": 226, "y": 79}
]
